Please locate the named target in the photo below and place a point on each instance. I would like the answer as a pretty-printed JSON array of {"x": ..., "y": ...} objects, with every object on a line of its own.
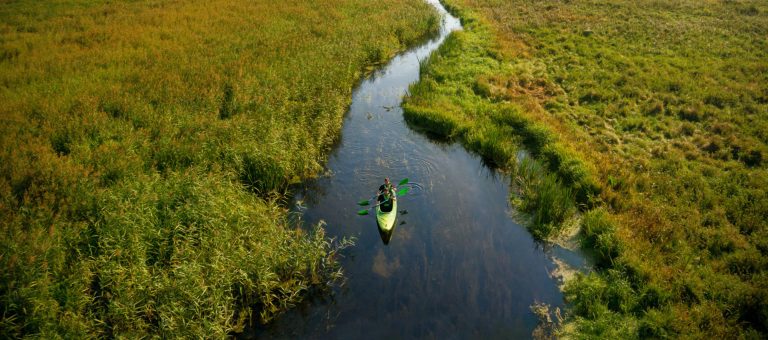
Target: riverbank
[
  {"x": 457, "y": 265},
  {"x": 648, "y": 129},
  {"x": 146, "y": 150}
]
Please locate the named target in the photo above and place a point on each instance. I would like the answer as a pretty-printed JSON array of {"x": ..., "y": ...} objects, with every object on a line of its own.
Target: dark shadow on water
[
  {"x": 298, "y": 193},
  {"x": 433, "y": 137},
  {"x": 446, "y": 141}
]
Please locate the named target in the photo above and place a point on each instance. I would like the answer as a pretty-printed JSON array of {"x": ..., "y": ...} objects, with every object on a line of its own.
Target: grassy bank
[
  {"x": 146, "y": 147},
  {"x": 648, "y": 117}
]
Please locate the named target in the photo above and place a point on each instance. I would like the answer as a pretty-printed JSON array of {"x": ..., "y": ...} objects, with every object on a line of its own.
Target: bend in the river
[{"x": 457, "y": 266}]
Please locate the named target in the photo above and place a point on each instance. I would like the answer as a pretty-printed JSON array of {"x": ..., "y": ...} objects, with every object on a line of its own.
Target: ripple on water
[{"x": 419, "y": 165}]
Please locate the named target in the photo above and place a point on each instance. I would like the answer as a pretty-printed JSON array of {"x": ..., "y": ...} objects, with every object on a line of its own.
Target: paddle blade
[
  {"x": 363, "y": 212},
  {"x": 404, "y": 181},
  {"x": 403, "y": 191},
  {"x": 364, "y": 202}
]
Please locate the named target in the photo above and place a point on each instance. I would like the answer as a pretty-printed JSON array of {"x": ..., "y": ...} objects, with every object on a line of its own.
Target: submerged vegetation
[
  {"x": 652, "y": 117},
  {"x": 145, "y": 148}
]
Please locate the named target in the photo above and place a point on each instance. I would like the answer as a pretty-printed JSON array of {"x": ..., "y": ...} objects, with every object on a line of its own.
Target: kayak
[{"x": 386, "y": 220}]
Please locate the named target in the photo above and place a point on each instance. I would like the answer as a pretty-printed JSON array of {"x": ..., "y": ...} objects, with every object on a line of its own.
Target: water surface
[{"x": 457, "y": 265}]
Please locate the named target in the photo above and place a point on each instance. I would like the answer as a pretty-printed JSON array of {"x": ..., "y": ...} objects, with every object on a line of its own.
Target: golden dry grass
[
  {"x": 663, "y": 105},
  {"x": 146, "y": 147}
]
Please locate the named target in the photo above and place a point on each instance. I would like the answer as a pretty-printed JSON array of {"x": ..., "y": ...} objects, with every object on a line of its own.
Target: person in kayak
[{"x": 386, "y": 195}]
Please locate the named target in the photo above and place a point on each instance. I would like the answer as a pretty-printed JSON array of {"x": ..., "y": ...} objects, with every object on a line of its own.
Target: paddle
[
  {"x": 368, "y": 201},
  {"x": 403, "y": 191},
  {"x": 400, "y": 192},
  {"x": 363, "y": 212}
]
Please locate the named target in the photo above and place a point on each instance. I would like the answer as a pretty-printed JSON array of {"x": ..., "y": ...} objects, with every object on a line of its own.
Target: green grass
[
  {"x": 545, "y": 200},
  {"x": 450, "y": 102},
  {"x": 146, "y": 148},
  {"x": 654, "y": 116}
]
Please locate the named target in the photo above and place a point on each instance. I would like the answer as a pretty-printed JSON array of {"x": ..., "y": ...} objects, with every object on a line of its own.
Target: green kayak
[{"x": 386, "y": 219}]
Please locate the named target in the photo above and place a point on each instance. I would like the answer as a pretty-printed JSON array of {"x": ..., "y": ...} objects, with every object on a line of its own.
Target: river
[{"x": 458, "y": 265}]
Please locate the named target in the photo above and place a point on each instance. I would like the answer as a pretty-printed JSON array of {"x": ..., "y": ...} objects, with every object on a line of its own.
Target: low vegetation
[
  {"x": 146, "y": 148},
  {"x": 653, "y": 118}
]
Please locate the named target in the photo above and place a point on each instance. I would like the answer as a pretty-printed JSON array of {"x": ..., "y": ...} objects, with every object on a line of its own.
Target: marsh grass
[
  {"x": 447, "y": 101},
  {"x": 146, "y": 148},
  {"x": 545, "y": 200},
  {"x": 653, "y": 114}
]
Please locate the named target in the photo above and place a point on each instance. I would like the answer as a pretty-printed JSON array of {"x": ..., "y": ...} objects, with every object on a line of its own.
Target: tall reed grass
[{"x": 146, "y": 146}]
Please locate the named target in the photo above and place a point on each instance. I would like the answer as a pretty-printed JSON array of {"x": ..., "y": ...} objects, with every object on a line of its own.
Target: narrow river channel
[{"x": 457, "y": 265}]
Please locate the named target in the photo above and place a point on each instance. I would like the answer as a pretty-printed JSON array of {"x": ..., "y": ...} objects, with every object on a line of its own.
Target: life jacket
[{"x": 386, "y": 192}]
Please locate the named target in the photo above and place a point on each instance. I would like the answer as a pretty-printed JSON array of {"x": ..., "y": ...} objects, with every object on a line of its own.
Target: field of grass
[
  {"x": 651, "y": 118},
  {"x": 146, "y": 148}
]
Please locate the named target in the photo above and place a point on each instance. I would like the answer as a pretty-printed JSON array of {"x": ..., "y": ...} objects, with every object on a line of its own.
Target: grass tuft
[
  {"x": 543, "y": 197},
  {"x": 599, "y": 234}
]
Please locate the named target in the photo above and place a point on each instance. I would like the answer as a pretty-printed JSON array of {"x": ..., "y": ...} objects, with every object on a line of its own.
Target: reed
[{"x": 146, "y": 147}]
